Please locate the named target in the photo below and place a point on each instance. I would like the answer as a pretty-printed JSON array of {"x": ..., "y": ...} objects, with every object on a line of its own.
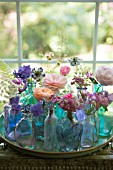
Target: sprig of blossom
[
  {"x": 93, "y": 101},
  {"x": 81, "y": 78},
  {"x": 68, "y": 102}
]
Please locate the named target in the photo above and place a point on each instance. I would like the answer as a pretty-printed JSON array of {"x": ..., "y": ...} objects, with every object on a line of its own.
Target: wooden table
[{"x": 13, "y": 160}]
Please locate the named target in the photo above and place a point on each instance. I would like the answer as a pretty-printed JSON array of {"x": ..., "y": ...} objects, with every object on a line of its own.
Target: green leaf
[
  {"x": 93, "y": 80},
  {"x": 5, "y": 70}
]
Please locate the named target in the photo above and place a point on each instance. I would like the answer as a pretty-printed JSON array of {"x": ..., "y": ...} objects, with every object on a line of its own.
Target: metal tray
[{"x": 103, "y": 141}]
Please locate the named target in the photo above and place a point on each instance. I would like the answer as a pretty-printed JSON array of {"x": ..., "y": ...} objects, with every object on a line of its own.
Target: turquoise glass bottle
[{"x": 28, "y": 97}]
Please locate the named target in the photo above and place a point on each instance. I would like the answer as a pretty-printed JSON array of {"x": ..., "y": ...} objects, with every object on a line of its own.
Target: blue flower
[{"x": 37, "y": 109}]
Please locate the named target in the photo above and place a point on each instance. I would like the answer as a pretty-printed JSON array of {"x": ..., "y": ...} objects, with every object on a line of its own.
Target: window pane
[
  {"x": 105, "y": 32},
  {"x": 8, "y": 30},
  {"x": 64, "y": 28}
]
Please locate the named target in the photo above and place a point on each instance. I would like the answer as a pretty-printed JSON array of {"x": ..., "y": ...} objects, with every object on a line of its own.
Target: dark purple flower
[
  {"x": 37, "y": 109},
  {"x": 23, "y": 73},
  {"x": 14, "y": 100},
  {"x": 15, "y": 108}
]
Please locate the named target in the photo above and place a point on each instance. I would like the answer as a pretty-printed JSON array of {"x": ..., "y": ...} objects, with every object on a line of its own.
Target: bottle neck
[{"x": 51, "y": 112}]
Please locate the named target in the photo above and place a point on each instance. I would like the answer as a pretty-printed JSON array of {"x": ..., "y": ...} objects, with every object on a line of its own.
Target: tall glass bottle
[
  {"x": 80, "y": 114},
  {"x": 87, "y": 138},
  {"x": 50, "y": 136}
]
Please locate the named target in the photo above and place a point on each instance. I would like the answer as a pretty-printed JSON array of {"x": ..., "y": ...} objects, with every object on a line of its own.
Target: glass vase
[
  {"x": 69, "y": 133},
  {"x": 39, "y": 123},
  {"x": 59, "y": 112},
  {"x": 25, "y": 132},
  {"x": 28, "y": 97},
  {"x": 106, "y": 121},
  {"x": 96, "y": 122},
  {"x": 98, "y": 87},
  {"x": 87, "y": 138},
  {"x": 50, "y": 136},
  {"x": 80, "y": 114},
  {"x": 10, "y": 121},
  {"x": 79, "y": 90}
]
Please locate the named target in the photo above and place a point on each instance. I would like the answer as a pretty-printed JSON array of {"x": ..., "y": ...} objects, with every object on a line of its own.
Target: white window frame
[{"x": 20, "y": 59}]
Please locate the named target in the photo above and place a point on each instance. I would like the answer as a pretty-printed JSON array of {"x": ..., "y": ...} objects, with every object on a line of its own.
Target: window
[{"x": 80, "y": 28}]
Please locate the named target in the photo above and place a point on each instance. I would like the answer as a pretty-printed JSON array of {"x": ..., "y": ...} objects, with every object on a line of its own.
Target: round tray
[{"x": 103, "y": 141}]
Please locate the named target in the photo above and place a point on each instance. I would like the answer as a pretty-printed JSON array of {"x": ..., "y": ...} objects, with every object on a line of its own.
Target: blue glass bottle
[{"x": 10, "y": 121}]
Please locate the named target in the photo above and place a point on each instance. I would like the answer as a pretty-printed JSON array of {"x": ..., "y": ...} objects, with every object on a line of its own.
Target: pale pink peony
[
  {"x": 64, "y": 70},
  {"x": 54, "y": 82},
  {"x": 104, "y": 75}
]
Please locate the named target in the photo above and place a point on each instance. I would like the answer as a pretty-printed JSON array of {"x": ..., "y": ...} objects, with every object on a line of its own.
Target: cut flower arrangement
[{"x": 36, "y": 104}]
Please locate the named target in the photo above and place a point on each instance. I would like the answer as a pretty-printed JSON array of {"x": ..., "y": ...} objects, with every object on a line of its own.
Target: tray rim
[{"x": 46, "y": 154}]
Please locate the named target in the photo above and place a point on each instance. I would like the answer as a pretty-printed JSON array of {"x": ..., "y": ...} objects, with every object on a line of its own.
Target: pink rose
[
  {"x": 64, "y": 70},
  {"x": 54, "y": 82},
  {"x": 104, "y": 75}
]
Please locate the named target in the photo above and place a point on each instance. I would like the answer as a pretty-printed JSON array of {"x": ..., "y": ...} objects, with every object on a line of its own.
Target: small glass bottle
[
  {"x": 28, "y": 97},
  {"x": 50, "y": 136},
  {"x": 25, "y": 133},
  {"x": 69, "y": 133},
  {"x": 10, "y": 121},
  {"x": 87, "y": 138}
]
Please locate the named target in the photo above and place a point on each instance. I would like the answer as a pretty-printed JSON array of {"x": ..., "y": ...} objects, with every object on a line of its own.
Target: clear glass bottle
[
  {"x": 96, "y": 122},
  {"x": 80, "y": 114},
  {"x": 25, "y": 133},
  {"x": 87, "y": 138},
  {"x": 50, "y": 136},
  {"x": 69, "y": 133}
]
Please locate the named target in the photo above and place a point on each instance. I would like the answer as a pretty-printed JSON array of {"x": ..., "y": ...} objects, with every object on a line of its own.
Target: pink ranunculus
[
  {"x": 104, "y": 75},
  {"x": 54, "y": 82},
  {"x": 64, "y": 70},
  {"x": 68, "y": 96}
]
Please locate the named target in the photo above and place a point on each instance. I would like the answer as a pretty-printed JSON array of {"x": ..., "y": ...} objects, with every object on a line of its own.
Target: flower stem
[{"x": 69, "y": 115}]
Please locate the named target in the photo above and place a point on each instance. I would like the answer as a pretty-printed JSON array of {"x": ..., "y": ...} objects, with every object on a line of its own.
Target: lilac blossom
[
  {"x": 14, "y": 100},
  {"x": 37, "y": 109},
  {"x": 15, "y": 107}
]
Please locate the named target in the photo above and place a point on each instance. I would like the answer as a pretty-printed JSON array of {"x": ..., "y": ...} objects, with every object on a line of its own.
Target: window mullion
[
  {"x": 20, "y": 54},
  {"x": 95, "y": 39}
]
